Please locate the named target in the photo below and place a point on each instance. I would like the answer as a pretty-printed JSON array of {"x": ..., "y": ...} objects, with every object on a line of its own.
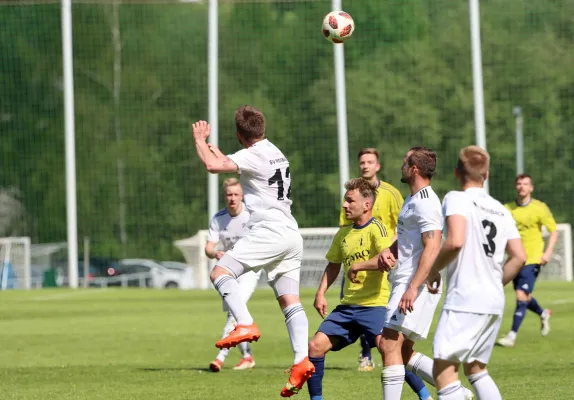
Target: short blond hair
[
  {"x": 365, "y": 188},
  {"x": 368, "y": 150},
  {"x": 230, "y": 182},
  {"x": 473, "y": 163}
]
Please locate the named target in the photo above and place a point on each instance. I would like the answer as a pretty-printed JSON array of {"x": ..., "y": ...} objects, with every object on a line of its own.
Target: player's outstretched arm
[
  {"x": 515, "y": 261},
  {"x": 211, "y": 157}
]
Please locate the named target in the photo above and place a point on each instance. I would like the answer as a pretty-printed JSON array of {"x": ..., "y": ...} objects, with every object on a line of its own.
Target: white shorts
[
  {"x": 415, "y": 325},
  {"x": 247, "y": 284},
  {"x": 269, "y": 246},
  {"x": 463, "y": 337}
]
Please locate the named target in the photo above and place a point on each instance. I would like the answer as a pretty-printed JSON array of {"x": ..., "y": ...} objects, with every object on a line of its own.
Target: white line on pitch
[{"x": 563, "y": 301}]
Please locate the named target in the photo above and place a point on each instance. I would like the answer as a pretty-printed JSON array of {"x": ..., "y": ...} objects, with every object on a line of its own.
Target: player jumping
[{"x": 273, "y": 241}]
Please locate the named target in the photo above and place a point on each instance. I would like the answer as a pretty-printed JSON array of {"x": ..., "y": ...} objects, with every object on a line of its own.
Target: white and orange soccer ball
[{"x": 338, "y": 26}]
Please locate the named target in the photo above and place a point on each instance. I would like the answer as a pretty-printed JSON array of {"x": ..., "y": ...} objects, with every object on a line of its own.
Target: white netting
[
  {"x": 15, "y": 270},
  {"x": 316, "y": 243},
  {"x": 559, "y": 268}
]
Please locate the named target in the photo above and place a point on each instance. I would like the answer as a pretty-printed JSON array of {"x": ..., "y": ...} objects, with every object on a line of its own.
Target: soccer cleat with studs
[
  {"x": 216, "y": 365},
  {"x": 298, "y": 375},
  {"x": 241, "y": 333},
  {"x": 245, "y": 363}
]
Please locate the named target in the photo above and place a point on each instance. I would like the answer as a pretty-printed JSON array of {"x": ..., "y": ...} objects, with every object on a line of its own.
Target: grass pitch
[{"x": 150, "y": 344}]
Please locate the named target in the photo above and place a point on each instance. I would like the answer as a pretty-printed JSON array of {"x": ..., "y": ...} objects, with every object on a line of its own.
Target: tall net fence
[{"x": 140, "y": 71}]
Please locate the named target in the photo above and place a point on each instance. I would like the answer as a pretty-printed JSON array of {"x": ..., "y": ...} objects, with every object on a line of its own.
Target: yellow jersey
[
  {"x": 352, "y": 244},
  {"x": 386, "y": 208},
  {"x": 529, "y": 220}
]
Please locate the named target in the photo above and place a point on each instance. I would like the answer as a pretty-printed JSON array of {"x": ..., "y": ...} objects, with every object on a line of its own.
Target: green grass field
[{"x": 149, "y": 344}]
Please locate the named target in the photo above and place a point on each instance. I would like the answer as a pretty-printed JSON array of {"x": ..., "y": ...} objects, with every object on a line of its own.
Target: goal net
[
  {"x": 559, "y": 268},
  {"x": 316, "y": 243},
  {"x": 15, "y": 270}
]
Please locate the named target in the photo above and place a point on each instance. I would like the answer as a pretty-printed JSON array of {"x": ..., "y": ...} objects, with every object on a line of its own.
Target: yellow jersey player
[
  {"x": 530, "y": 215},
  {"x": 386, "y": 209},
  {"x": 365, "y": 296}
]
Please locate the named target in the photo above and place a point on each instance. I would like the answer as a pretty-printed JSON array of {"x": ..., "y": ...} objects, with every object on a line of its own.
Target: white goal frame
[
  {"x": 15, "y": 252},
  {"x": 316, "y": 243}
]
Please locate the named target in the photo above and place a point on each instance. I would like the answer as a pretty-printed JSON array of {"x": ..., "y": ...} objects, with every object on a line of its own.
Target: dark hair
[
  {"x": 424, "y": 159},
  {"x": 250, "y": 123},
  {"x": 523, "y": 176}
]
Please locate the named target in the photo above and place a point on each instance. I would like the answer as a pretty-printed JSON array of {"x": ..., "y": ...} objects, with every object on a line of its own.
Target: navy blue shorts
[
  {"x": 350, "y": 322},
  {"x": 526, "y": 278}
]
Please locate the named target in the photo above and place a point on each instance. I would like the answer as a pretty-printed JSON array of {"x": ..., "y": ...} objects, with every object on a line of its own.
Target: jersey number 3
[
  {"x": 278, "y": 179},
  {"x": 490, "y": 230}
]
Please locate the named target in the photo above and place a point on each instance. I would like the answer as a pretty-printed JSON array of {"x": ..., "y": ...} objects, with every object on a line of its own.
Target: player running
[
  {"x": 530, "y": 215},
  {"x": 479, "y": 232},
  {"x": 227, "y": 226},
  {"x": 273, "y": 241}
]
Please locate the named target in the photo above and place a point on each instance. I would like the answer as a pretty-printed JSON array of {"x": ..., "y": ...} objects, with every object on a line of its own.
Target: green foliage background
[{"x": 409, "y": 82}]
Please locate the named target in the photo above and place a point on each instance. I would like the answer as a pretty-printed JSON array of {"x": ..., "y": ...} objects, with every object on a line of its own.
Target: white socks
[
  {"x": 454, "y": 391},
  {"x": 298, "y": 327},
  {"x": 422, "y": 365},
  {"x": 392, "y": 379},
  {"x": 228, "y": 288},
  {"x": 484, "y": 386}
]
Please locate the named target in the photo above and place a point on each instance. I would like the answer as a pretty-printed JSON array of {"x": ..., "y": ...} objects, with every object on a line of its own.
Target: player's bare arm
[
  {"x": 388, "y": 258},
  {"x": 211, "y": 157},
  {"x": 456, "y": 234},
  {"x": 431, "y": 246},
  {"x": 210, "y": 251},
  {"x": 369, "y": 265},
  {"x": 329, "y": 276},
  {"x": 515, "y": 261},
  {"x": 552, "y": 240}
]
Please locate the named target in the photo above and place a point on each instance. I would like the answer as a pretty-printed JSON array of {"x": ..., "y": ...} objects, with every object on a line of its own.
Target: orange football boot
[
  {"x": 300, "y": 373},
  {"x": 241, "y": 333}
]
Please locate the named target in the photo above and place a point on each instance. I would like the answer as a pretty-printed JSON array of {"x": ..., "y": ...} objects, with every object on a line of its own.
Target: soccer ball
[{"x": 338, "y": 26}]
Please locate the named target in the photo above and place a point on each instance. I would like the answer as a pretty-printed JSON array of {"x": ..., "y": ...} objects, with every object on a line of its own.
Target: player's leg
[
  {"x": 247, "y": 283},
  {"x": 393, "y": 375},
  {"x": 448, "y": 385},
  {"x": 217, "y": 364},
  {"x": 333, "y": 334},
  {"x": 366, "y": 363},
  {"x": 543, "y": 313},
  {"x": 286, "y": 287},
  {"x": 481, "y": 381},
  {"x": 522, "y": 286},
  {"x": 224, "y": 277}
]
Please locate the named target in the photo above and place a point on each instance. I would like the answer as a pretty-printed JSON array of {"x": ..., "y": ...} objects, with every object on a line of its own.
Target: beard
[{"x": 405, "y": 179}]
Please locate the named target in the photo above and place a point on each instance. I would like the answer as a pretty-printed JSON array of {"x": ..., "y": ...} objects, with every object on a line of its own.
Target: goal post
[
  {"x": 15, "y": 268},
  {"x": 559, "y": 268},
  {"x": 316, "y": 243}
]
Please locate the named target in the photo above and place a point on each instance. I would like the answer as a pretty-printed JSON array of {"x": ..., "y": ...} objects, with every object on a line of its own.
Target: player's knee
[
  {"x": 522, "y": 295},
  {"x": 217, "y": 271},
  {"x": 473, "y": 368},
  {"x": 318, "y": 346}
]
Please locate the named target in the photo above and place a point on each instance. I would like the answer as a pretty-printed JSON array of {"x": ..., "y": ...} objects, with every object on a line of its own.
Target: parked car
[
  {"x": 153, "y": 273},
  {"x": 100, "y": 267}
]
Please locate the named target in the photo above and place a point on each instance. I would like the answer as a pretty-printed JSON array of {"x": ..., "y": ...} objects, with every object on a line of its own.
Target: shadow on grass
[{"x": 206, "y": 369}]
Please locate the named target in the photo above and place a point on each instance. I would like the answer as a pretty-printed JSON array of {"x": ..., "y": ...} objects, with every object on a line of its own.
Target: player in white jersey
[
  {"x": 411, "y": 306},
  {"x": 273, "y": 241},
  {"x": 227, "y": 227},
  {"x": 479, "y": 232}
]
